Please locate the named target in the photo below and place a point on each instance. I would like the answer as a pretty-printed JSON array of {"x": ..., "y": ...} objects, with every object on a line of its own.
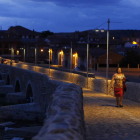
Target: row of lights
[{"x": 61, "y": 52}]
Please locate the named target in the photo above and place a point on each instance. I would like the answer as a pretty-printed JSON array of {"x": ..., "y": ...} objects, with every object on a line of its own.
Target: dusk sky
[{"x": 69, "y": 15}]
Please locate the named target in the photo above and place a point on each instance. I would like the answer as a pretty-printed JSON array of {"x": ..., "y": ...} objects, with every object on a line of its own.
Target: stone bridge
[
  {"x": 37, "y": 97},
  {"x": 34, "y": 96}
]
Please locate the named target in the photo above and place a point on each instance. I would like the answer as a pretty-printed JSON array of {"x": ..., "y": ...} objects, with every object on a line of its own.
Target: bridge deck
[{"x": 104, "y": 121}]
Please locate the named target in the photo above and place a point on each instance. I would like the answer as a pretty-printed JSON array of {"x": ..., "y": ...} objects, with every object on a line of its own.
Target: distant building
[{"x": 60, "y": 44}]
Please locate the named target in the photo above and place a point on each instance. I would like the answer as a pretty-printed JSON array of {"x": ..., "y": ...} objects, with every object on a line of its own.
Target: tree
[
  {"x": 46, "y": 33},
  {"x": 132, "y": 58}
]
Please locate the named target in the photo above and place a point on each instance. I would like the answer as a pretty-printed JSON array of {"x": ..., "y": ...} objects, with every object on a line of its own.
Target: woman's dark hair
[{"x": 118, "y": 68}]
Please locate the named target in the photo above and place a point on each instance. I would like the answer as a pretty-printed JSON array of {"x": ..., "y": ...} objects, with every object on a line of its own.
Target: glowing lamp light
[
  {"x": 59, "y": 52},
  {"x": 17, "y": 52},
  {"x": 74, "y": 55},
  {"x": 134, "y": 42},
  {"x": 41, "y": 50},
  {"x": 102, "y": 30}
]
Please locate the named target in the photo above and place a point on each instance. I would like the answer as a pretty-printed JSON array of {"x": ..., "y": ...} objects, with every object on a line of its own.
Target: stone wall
[
  {"x": 98, "y": 85},
  {"x": 62, "y": 102},
  {"x": 114, "y": 69},
  {"x": 28, "y": 111},
  {"x": 41, "y": 84},
  {"x": 56, "y": 74},
  {"x": 132, "y": 92},
  {"x": 65, "y": 115}
]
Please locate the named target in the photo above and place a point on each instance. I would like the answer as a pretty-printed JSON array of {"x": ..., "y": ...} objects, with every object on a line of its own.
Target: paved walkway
[{"x": 104, "y": 121}]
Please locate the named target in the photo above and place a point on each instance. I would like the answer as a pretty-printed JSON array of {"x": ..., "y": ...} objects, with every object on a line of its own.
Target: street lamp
[
  {"x": 70, "y": 55},
  {"x": 87, "y": 57},
  {"x": 23, "y": 52},
  {"x": 60, "y": 55},
  {"x": 50, "y": 51},
  {"x": 12, "y": 54},
  {"x": 49, "y": 60},
  {"x": 71, "y": 58},
  {"x": 35, "y": 54},
  {"x": 107, "y": 55}
]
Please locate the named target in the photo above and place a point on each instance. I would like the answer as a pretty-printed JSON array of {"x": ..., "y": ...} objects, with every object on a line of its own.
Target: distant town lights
[
  {"x": 61, "y": 52},
  {"x": 96, "y": 30},
  {"x": 75, "y": 55},
  {"x": 102, "y": 30},
  {"x": 17, "y": 52},
  {"x": 134, "y": 42}
]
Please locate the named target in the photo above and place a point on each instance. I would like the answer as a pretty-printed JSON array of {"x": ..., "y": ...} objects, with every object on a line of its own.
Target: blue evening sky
[{"x": 69, "y": 15}]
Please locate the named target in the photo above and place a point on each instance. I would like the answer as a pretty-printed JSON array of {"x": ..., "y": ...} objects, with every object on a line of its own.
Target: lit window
[
  {"x": 134, "y": 42},
  {"x": 17, "y": 52},
  {"x": 102, "y": 30},
  {"x": 96, "y": 30}
]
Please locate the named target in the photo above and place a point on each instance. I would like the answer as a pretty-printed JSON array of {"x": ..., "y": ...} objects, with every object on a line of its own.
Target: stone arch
[
  {"x": 17, "y": 87},
  {"x": 8, "y": 80},
  {"x": 0, "y": 77},
  {"x": 29, "y": 94}
]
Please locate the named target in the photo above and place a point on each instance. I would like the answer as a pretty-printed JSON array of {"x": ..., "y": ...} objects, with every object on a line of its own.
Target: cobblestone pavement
[{"x": 104, "y": 121}]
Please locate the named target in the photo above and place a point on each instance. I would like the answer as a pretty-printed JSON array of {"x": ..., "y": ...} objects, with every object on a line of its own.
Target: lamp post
[
  {"x": 35, "y": 55},
  {"x": 87, "y": 58},
  {"x": 71, "y": 58},
  {"x": 107, "y": 65},
  {"x": 107, "y": 56},
  {"x": 49, "y": 56},
  {"x": 24, "y": 52},
  {"x": 49, "y": 60},
  {"x": 12, "y": 54}
]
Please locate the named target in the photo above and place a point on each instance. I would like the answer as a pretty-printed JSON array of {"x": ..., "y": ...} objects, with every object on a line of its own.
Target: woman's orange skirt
[{"x": 118, "y": 92}]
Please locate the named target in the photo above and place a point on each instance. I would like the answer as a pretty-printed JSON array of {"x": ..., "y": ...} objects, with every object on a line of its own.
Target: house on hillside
[
  {"x": 16, "y": 38},
  {"x": 113, "y": 58}
]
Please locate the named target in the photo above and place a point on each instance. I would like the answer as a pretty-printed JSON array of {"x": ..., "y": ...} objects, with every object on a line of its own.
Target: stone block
[
  {"x": 16, "y": 98},
  {"x": 2, "y": 82},
  {"x": 6, "y": 89}
]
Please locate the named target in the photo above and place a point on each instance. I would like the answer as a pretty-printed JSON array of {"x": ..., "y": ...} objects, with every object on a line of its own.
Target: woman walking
[{"x": 119, "y": 78}]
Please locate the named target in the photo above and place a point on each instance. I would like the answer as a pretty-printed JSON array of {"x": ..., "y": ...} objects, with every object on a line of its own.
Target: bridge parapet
[{"x": 61, "y": 102}]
